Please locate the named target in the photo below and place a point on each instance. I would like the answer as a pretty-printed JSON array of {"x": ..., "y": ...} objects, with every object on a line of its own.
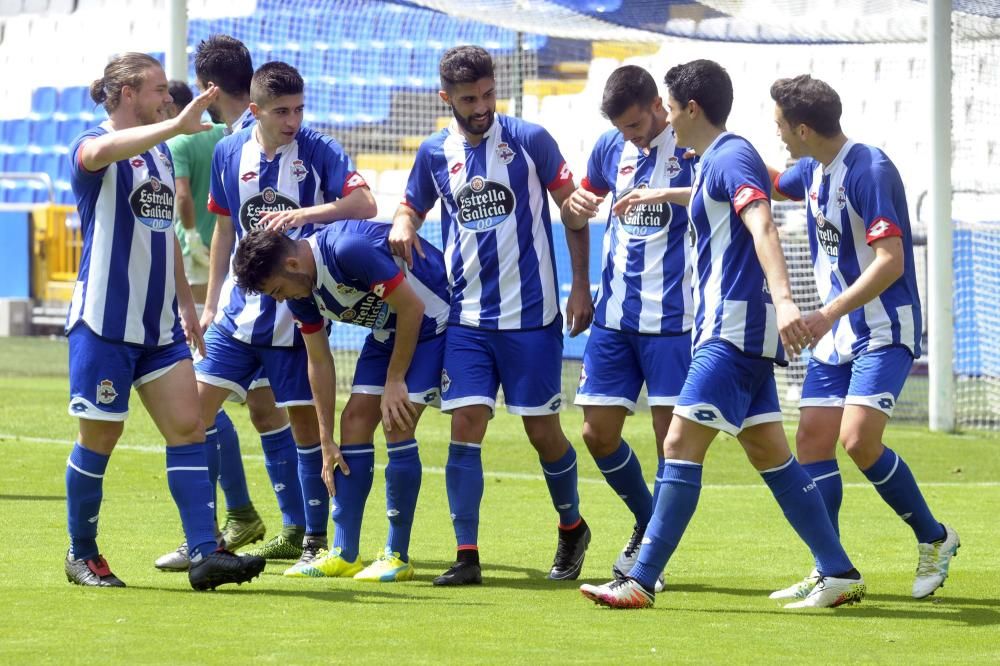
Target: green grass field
[{"x": 737, "y": 549}]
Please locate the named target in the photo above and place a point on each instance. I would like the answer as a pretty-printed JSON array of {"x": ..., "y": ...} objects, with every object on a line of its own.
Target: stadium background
[{"x": 371, "y": 80}]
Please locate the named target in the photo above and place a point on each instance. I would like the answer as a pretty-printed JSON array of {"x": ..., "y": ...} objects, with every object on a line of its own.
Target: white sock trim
[
  {"x": 780, "y": 467},
  {"x": 615, "y": 469},
  {"x": 275, "y": 432},
  {"x": 83, "y": 471},
  {"x": 826, "y": 476},
  {"x": 888, "y": 476},
  {"x": 187, "y": 469}
]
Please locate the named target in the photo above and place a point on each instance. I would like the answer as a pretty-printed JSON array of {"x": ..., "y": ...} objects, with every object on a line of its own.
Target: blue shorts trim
[
  {"x": 874, "y": 379},
  {"x": 234, "y": 365},
  {"x": 102, "y": 372},
  {"x": 728, "y": 390},
  {"x": 616, "y": 364},
  {"x": 526, "y": 364},
  {"x": 423, "y": 379}
]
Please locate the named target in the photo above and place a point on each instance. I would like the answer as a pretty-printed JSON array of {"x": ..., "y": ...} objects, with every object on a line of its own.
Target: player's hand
[
  {"x": 332, "y": 458},
  {"x": 192, "y": 328},
  {"x": 403, "y": 240},
  {"x": 196, "y": 247},
  {"x": 207, "y": 317},
  {"x": 398, "y": 413},
  {"x": 635, "y": 198},
  {"x": 582, "y": 203},
  {"x": 188, "y": 121},
  {"x": 284, "y": 220},
  {"x": 579, "y": 309},
  {"x": 819, "y": 324},
  {"x": 795, "y": 335}
]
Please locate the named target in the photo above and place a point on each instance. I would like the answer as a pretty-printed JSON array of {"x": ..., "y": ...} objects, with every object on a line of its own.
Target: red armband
[
  {"x": 353, "y": 181},
  {"x": 213, "y": 207},
  {"x": 563, "y": 176},
  {"x": 882, "y": 228},
  {"x": 412, "y": 207},
  {"x": 745, "y": 195},
  {"x": 590, "y": 187},
  {"x": 386, "y": 287},
  {"x": 777, "y": 187},
  {"x": 309, "y": 329}
]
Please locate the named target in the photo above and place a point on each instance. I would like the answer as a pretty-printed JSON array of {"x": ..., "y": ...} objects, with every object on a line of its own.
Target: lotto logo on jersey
[
  {"x": 828, "y": 235},
  {"x": 264, "y": 202},
  {"x": 152, "y": 204},
  {"x": 646, "y": 219},
  {"x": 484, "y": 204}
]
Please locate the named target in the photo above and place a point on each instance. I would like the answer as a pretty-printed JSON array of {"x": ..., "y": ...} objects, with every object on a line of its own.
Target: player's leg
[
  {"x": 469, "y": 383},
  {"x": 876, "y": 382}
]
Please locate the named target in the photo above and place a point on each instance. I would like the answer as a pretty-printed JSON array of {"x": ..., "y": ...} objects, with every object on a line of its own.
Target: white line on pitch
[{"x": 514, "y": 476}]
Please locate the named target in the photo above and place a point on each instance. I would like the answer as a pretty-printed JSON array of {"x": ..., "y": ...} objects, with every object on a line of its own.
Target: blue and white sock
[
  {"x": 894, "y": 481},
  {"x": 463, "y": 477},
  {"x": 623, "y": 472},
  {"x": 282, "y": 466},
  {"x": 402, "y": 486},
  {"x": 826, "y": 475},
  {"x": 187, "y": 477},
  {"x": 561, "y": 478},
  {"x": 352, "y": 492},
  {"x": 315, "y": 496},
  {"x": 84, "y": 491},
  {"x": 232, "y": 477}
]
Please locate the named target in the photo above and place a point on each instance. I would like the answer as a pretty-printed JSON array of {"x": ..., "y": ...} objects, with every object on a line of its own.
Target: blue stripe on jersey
[
  {"x": 116, "y": 309},
  {"x": 636, "y": 262},
  {"x": 531, "y": 281},
  {"x": 157, "y": 270}
]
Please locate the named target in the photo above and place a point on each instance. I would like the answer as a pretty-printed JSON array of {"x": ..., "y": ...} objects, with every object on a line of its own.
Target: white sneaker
[
  {"x": 799, "y": 590},
  {"x": 932, "y": 567},
  {"x": 625, "y": 593},
  {"x": 831, "y": 592},
  {"x": 629, "y": 556}
]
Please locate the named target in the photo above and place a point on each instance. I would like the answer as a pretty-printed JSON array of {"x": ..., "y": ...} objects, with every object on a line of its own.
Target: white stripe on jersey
[
  {"x": 537, "y": 199},
  {"x": 466, "y": 245},
  {"x": 712, "y": 292},
  {"x": 100, "y": 253},
  {"x": 507, "y": 248}
]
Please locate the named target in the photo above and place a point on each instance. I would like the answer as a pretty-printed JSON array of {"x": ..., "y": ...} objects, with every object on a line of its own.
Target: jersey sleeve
[
  {"x": 550, "y": 165},
  {"x": 595, "y": 181},
  {"x": 368, "y": 263},
  {"x": 421, "y": 192},
  {"x": 873, "y": 192},
  {"x": 338, "y": 177},
  {"x": 740, "y": 177},
  {"x": 306, "y": 314},
  {"x": 791, "y": 183},
  {"x": 217, "y": 201},
  {"x": 180, "y": 155},
  {"x": 77, "y": 171}
]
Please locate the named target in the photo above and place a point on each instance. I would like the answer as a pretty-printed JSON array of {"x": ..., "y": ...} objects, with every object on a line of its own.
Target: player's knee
[
  {"x": 468, "y": 424},
  {"x": 305, "y": 427},
  {"x": 864, "y": 451},
  {"x": 544, "y": 433},
  {"x": 600, "y": 443},
  {"x": 267, "y": 418},
  {"x": 188, "y": 428},
  {"x": 812, "y": 443},
  {"x": 358, "y": 423}
]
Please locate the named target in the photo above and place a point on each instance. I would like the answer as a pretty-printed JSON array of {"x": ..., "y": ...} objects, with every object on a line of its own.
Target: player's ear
[
  {"x": 254, "y": 109},
  {"x": 657, "y": 104},
  {"x": 445, "y": 97}
]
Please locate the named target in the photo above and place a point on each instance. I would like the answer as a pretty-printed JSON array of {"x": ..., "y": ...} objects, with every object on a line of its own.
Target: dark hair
[
  {"x": 465, "y": 64},
  {"x": 181, "y": 92},
  {"x": 808, "y": 101},
  {"x": 226, "y": 62},
  {"x": 707, "y": 83},
  {"x": 126, "y": 69},
  {"x": 627, "y": 86},
  {"x": 258, "y": 257},
  {"x": 275, "y": 79}
]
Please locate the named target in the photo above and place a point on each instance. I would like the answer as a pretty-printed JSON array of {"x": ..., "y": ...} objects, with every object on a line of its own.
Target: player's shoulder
[
  {"x": 866, "y": 163},
  {"x": 311, "y": 140},
  {"x": 522, "y": 131},
  {"x": 610, "y": 141},
  {"x": 234, "y": 143},
  {"x": 733, "y": 151},
  {"x": 433, "y": 144}
]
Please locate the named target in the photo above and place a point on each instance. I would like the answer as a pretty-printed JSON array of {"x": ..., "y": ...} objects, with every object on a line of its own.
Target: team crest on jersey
[
  {"x": 166, "y": 160},
  {"x": 672, "y": 167},
  {"x": 583, "y": 376},
  {"x": 345, "y": 290},
  {"x": 299, "y": 171},
  {"x": 484, "y": 204},
  {"x": 445, "y": 380},
  {"x": 152, "y": 204},
  {"x": 645, "y": 219},
  {"x": 106, "y": 392},
  {"x": 348, "y": 315},
  {"x": 841, "y": 198},
  {"x": 263, "y": 202},
  {"x": 504, "y": 153},
  {"x": 828, "y": 235}
]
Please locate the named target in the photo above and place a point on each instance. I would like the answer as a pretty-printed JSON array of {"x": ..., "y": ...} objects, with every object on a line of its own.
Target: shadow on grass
[
  {"x": 32, "y": 498},
  {"x": 362, "y": 592}
]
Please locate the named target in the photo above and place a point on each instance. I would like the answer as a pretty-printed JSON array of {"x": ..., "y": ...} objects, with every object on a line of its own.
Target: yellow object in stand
[{"x": 56, "y": 248}]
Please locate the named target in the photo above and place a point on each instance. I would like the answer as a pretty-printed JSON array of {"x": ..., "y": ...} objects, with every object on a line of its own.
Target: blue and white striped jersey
[
  {"x": 856, "y": 200},
  {"x": 311, "y": 170},
  {"x": 246, "y": 119},
  {"x": 732, "y": 301},
  {"x": 646, "y": 270},
  {"x": 125, "y": 290},
  {"x": 356, "y": 271},
  {"x": 497, "y": 233}
]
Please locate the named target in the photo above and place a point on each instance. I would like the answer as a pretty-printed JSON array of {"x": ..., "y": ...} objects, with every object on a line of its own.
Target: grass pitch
[{"x": 737, "y": 549}]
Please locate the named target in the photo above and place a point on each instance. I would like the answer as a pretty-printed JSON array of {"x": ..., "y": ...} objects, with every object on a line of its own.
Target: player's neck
[
  {"x": 826, "y": 150},
  {"x": 269, "y": 149},
  {"x": 704, "y": 136},
  {"x": 123, "y": 119},
  {"x": 306, "y": 259},
  {"x": 231, "y": 108}
]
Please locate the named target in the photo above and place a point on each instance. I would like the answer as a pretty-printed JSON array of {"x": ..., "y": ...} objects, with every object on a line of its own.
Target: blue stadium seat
[
  {"x": 69, "y": 130},
  {"x": 17, "y": 133},
  {"x": 21, "y": 163},
  {"x": 75, "y": 101},
  {"x": 306, "y": 62},
  {"x": 275, "y": 31},
  {"x": 337, "y": 64},
  {"x": 65, "y": 197},
  {"x": 50, "y": 164},
  {"x": 43, "y": 101},
  {"x": 44, "y": 134}
]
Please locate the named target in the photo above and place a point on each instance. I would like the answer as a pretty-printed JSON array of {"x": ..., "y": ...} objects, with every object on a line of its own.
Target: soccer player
[
  {"x": 867, "y": 333},
  {"x": 123, "y": 324},
  {"x": 276, "y": 174},
  {"x": 643, "y": 314},
  {"x": 491, "y": 173},
  {"x": 346, "y": 272},
  {"x": 745, "y": 318}
]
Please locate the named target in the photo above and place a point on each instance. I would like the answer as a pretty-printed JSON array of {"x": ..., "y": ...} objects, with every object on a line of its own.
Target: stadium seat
[
  {"x": 75, "y": 102},
  {"x": 44, "y": 135},
  {"x": 17, "y": 134},
  {"x": 43, "y": 102},
  {"x": 21, "y": 163}
]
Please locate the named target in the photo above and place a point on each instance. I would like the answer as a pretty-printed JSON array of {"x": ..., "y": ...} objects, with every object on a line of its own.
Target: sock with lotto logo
[
  {"x": 402, "y": 486},
  {"x": 232, "y": 478},
  {"x": 352, "y": 492},
  {"x": 826, "y": 475},
  {"x": 680, "y": 488},
  {"x": 463, "y": 479},
  {"x": 894, "y": 481},
  {"x": 282, "y": 466},
  {"x": 212, "y": 459},
  {"x": 315, "y": 496},
  {"x": 84, "y": 491},
  {"x": 187, "y": 477},
  {"x": 623, "y": 472},
  {"x": 560, "y": 477},
  {"x": 803, "y": 507}
]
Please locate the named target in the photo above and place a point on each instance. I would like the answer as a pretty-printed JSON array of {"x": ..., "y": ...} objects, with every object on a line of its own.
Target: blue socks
[
  {"x": 187, "y": 476},
  {"x": 560, "y": 476},
  {"x": 680, "y": 487},
  {"x": 402, "y": 485},
  {"x": 463, "y": 479},
  {"x": 623, "y": 472},
  {"x": 826, "y": 475},
  {"x": 895, "y": 483},
  {"x": 212, "y": 459},
  {"x": 352, "y": 493},
  {"x": 282, "y": 466},
  {"x": 84, "y": 481},
  {"x": 315, "y": 496},
  {"x": 803, "y": 507},
  {"x": 232, "y": 478}
]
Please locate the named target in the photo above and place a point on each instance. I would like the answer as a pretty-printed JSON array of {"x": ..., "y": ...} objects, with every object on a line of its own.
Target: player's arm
[
  {"x": 99, "y": 152},
  {"x": 577, "y": 209},
  {"x": 223, "y": 240},
  {"x": 359, "y": 204},
  {"x": 651, "y": 195},
  {"x": 185, "y": 303},
  {"x": 789, "y": 185},
  {"x": 776, "y": 194},
  {"x": 186, "y": 212},
  {"x": 403, "y": 238},
  {"x": 580, "y": 304},
  {"x": 397, "y": 410},
  {"x": 756, "y": 215},
  {"x": 323, "y": 382}
]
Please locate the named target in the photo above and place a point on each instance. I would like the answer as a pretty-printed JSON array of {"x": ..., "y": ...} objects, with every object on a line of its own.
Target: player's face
[
  {"x": 793, "y": 142},
  {"x": 641, "y": 125},
  {"x": 213, "y": 109},
  {"x": 279, "y": 119},
  {"x": 473, "y": 104},
  {"x": 151, "y": 98},
  {"x": 678, "y": 117},
  {"x": 286, "y": 284}
]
